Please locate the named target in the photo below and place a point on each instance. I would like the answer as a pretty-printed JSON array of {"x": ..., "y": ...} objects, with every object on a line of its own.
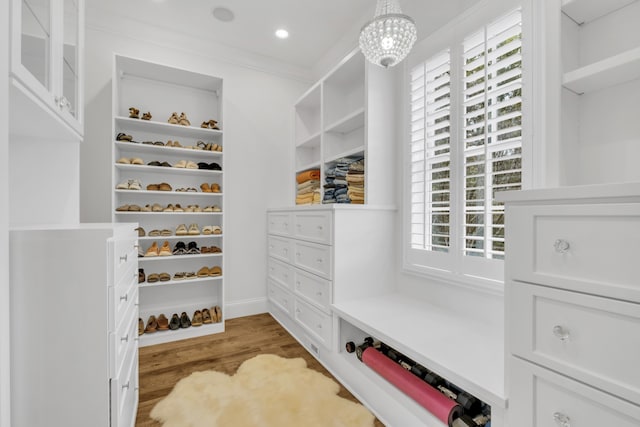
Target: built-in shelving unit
[
  {"x": 162, "y": 90},
  {"x": 337, "y": 118}
]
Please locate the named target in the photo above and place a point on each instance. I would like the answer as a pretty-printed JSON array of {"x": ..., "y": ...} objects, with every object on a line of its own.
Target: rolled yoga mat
[{"x": 445, "y": 409}]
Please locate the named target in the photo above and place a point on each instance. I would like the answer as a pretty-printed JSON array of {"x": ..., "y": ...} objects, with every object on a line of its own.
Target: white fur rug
[{"x": 267, "y": 391}]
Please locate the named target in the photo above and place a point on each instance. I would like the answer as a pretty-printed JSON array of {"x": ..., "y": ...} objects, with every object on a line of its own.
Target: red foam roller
[{"x": 445, "y": 409}]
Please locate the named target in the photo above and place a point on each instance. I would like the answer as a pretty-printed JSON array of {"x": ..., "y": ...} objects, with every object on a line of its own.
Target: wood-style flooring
[{"x": 162, "y": 366}]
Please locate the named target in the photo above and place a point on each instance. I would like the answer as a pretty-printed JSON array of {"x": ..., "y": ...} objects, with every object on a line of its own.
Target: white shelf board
[
  {"x": 164, "y": 128},
  {"x": 312, "y": 165},
  {"x": 311, "y": 142},
  {"x": 145, "y": 259},
  {"x": 614, "y": 70},
  {"x": 178, "y": 282},
  {"x": 172, "y": 193},
  {"x": 348, "y": 123},
  {"x": 582, "y": 11},
  {"x": 347, "y": 153},
  {"x": 166, "y": 169},
  {"x": 167, "y": 213},
  {"x": 173, "y": 237},
  {"x": 160, "y": 337},
  {"x": 138, "y": 147},
  {"x": 436, "y": 338}
]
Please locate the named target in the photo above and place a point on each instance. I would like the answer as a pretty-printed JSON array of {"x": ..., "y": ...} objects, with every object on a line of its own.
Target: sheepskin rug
[{"x": 267, "y": 391}]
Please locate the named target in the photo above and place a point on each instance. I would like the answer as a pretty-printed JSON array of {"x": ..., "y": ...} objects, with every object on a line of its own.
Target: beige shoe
[
  {"x": 181, "y": 230},
  {"x": 165, "y": 250},
  {"x": 194, "y": 230},
  {"x": 152, "y": 251},
  {"x": 181, "y": 164},
  {"x": 182, "y": 120},
  {"x": 174, "y": 120}
]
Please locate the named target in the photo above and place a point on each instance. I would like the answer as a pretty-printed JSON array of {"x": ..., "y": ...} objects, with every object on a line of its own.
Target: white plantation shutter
[
  {"x": 455, "y": 175},
  {"x": 430, "y": 154}
]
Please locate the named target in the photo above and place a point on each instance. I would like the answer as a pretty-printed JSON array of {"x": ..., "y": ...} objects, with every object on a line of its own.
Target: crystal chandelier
[{"x": 387, "y": 39}]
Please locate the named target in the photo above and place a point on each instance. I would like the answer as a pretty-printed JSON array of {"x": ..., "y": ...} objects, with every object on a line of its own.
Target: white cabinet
[
  {"x": 349, "y": 113},
  {"x": 572, "y": 307},
  {"x": 74, "y": 318},
  {"x": 325, "y": 257},
  {"x": 47, "y": 70},
  {"x": 187, "y": 210}
]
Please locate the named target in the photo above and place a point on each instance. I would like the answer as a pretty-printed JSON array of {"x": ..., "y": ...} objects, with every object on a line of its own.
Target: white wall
[{"x": 257, "y": 142}]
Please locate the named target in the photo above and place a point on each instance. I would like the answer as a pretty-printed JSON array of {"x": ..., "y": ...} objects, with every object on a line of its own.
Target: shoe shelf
[
  {"x": 152, "y": 126},
  {"x": 159, "y": 258},
  {"x": 166, "y": 170},
  {"x": 161, "y": 90},
  {"x": 179, "y": 282},
  {"x": 138, "y": 147}
]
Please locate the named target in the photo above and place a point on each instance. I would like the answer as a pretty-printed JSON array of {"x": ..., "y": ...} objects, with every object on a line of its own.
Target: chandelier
[{"x": 387, "y": 39}]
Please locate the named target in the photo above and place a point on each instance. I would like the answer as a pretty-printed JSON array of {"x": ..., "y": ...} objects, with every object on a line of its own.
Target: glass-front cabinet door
[
  {"x": 70, "y": 57},
  {"x": 35, "y": 40}
]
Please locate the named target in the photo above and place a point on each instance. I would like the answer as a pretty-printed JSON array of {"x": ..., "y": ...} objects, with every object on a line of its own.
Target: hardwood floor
[{"x": 162, "y": 366}]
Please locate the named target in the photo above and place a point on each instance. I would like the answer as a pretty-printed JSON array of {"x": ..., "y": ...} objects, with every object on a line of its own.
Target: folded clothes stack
[
  {"x": 308, "y": 187},
  {"x": 355, "y": 182}
]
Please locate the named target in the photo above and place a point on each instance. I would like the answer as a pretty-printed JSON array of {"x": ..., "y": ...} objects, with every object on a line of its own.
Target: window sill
[{"x": 478, "y": 284}]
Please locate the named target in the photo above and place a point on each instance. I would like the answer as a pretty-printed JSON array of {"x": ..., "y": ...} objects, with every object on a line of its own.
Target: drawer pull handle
[
  {"x": 136, "y": 246},
  {"x": 125, "y": 297},
  {"x": 125, "y": 338},
  {"x": 561, "y": 333},
  {"x": 561, "y": 419},
  {"x": 561, "y": 246},
  {"x": 124, "y": 258},
  {"x": 125, "y": 385}
]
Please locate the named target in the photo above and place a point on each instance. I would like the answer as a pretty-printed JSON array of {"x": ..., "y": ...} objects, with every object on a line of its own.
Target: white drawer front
[
  {"x": 593, "y": 339},
  {"x": 280, "y": 273},
  {"x": 280, "y": 298},
  {"x": 279, "y": 223},
  {"x": 123, "y": 340},
  {"x": 279, "y": 248},
  {"x": 589, "y": 248},
  {"x": 124, "y": 258},
  {"x": 316, "y": 323},
  {"x": 313, "y": 226},
  {"x": 314, "y": 289},
  {"x": 541, "y": 398},
  {"x": 122, "y": 298},
  {"x": 313, "y": 258},
  {"x": 124, "y": 395}
]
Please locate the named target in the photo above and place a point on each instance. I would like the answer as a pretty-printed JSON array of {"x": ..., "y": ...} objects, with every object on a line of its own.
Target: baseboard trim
[{"x": 247, "y": 307}]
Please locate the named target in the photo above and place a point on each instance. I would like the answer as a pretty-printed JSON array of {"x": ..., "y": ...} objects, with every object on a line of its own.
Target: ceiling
[{"x": 314, "y": 25}]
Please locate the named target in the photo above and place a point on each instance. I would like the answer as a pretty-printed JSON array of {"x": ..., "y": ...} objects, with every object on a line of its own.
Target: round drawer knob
[
  {"x": 561, "y": 332},
  {"x": 561, "y": 419},
  {"x": 561, "y": 246}
]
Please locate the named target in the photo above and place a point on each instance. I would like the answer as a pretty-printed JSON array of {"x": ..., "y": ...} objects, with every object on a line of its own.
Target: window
[{"x": 465, "y": 144}]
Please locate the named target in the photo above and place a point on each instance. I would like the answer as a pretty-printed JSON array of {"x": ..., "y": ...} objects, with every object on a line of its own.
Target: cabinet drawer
[
  {"x": 313, "y": 226},
  {"x": 123, "y": 340},
  {"x": 590, "y": 338},
  {"x": 588, "y": 248},
  {"x": 124, "y": 258},
  {"x": 121, "y": 299},
  {"x": 313, "y": 258},
  {"x": 280, "y": 272},
  {"x": 124, "y": 394},
  {"x": 279, "y": 223},
  {"x": 279, "y": 248},
  {"x": 280, "y": 298},
  {"x": 315, "y": 290},
  {"x": 541, "y": 398},
  {"x": 316, "y": 323}
]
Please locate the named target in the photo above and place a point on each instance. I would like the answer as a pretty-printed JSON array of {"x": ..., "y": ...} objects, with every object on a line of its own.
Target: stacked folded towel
[
  {"x": 308, "y": 189},
  {"x": 355, "y": 182}
]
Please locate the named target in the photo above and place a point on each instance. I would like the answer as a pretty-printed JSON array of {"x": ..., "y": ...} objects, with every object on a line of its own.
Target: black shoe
[
  {"x": 185, "y": 322},
  {"x": 193, "y": 249},
  {"x": 174, "y": 323}
]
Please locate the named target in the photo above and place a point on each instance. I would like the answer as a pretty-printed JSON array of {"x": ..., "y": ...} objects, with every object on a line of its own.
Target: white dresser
[
  {"x": 319, "y": 255},
  {"x": 74, "y": 316},
  {"x": 572, "y": 306}
]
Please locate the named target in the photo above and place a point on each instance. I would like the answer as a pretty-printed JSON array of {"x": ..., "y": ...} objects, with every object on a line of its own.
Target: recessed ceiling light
[
  {"x": 223, "y": 14},
  {"x": 281, "y": 33}
]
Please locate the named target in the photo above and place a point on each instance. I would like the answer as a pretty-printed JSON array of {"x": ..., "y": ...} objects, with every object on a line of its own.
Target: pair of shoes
[
  {"x": 186, "y": 164},
  {"x": 182, "y": 249},
  {"x": 209, "y": 166},
  {"x": 208, "y": 146},
  {"x": 134, "y": 113},
  {"x": 213, "y": 208},
  {"x": 162, "y": 277},
  {"x": 124, "y": 137},
  {"x": 211, "y": 229},
  {"x": 141, "y": 276},
  {"x": 179, "y": 120},
  {"x": 156, "y": 232},
  {"x": 132, "y": 161},
  {"x": 184, "y": 276},
  {"x": 211, "y": 124},
  {"x": 163, "y": 186},
  {"x": 210, "y": 250},
  {"x": 182, "y": 230},
  {"x": 186, "y": 190},
  {"x": 213, "y": 188},
  {"x": 216, "y": 314},
  {"x": 174, "y": 144},
  {"x": 171, "y": 208},
  {"x": 146, "y": 116},
  {"x": 157, "y": 163},
  {"x": 128, "y": 208},
  {"x": 210, "y": 272},
  {"x": 154, "y": 250},
  {"x": 130, "y": 184}
]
